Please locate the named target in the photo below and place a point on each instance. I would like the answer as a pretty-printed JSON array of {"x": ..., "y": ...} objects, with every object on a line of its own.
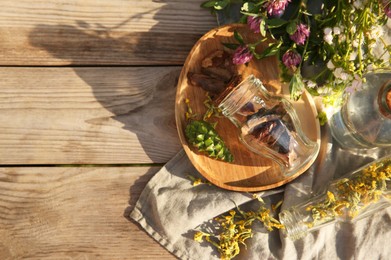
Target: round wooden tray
[{"x": 249, "y": 171}]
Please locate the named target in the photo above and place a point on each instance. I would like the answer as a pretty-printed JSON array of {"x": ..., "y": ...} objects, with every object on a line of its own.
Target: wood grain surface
[
  {"x": 73, "y": 213},
  {"x": 87, "y": 82},
  {"x": 249, "y": 171},
  {"x": 87, "y": 115},
  {"x": 90, "y": 32}
]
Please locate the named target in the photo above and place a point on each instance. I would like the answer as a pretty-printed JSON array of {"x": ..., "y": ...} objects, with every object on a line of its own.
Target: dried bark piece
[
  {"x": 207, "y": 83},
  {"x": 219, "y": 65},
  {"x": 217, "y": 72}
]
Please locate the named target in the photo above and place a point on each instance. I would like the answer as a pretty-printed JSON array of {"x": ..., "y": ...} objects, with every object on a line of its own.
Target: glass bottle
[
  {"x": 347, "y": 199},
  {"x": 268, "y": 125},
  {"x": 364, "y": 120}
]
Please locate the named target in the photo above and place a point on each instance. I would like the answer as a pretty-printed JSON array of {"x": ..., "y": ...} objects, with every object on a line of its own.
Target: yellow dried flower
[
  {"x": 351, "y": 195},
  {"x": 236, "y": 228},
  {"x": 330, "y": 196},
  {"x": 198, "y": 236},
  {"x": 197, "y": 181}
]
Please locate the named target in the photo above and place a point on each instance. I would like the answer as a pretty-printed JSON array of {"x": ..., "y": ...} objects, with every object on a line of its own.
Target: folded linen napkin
[{"x": 170, "y": 208}]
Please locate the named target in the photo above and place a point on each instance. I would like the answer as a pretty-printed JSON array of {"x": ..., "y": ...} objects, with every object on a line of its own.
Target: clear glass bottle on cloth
[
  {"x": 364, "y": 120},
  {"x": 268, "y": 125},
  {"x": 347, "y": 199}
]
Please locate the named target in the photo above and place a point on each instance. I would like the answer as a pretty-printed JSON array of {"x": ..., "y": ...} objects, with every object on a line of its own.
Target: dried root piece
[
  {"x": 217, "y": 71},
  {"x": 207, "y": 83}
]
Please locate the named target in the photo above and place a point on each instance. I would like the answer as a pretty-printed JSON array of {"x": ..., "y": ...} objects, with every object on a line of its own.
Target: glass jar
[
  {"x": 364, "y": 120},
  {"x": 268, "y": 125},
  {"x": 347, "y": 199}
]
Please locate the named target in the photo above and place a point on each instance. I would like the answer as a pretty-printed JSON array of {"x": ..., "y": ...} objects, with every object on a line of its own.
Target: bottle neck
[
  {"x": 294, "y": 227},
  {"x": 242, "y": 94},
  {"x": 384, "y": 99}
]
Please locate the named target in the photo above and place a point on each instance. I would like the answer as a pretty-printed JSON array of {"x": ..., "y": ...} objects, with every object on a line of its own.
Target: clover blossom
[
  {"x": 254, "y": 23},
  {"x": 242, "y": 55},
  {"x": 348, "y": 36},
  {"x": 291, "y": 59},
  {"x": 276, "y": 7},
  {"x": 301, "y": 34},
  {"x": 386, "y": 8}
]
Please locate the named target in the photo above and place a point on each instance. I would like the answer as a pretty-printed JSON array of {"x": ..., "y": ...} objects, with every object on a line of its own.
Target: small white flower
[
  {"x": 349, "y": 89},
  {"x": 340, "y": 74},
  {"x": 344, "y": 76},
  {"x": 337, "y": 73},
  {"x": 357, "y": 82},
  {"x": 376, "y": 32},
  {"x": 311, "y": 84},
  {"x": 355, "y": 43},
  {"x": 355, "y": 85},
  {"x": 337, "y": 30},
  {"x": 358, "y": 4},
  {"x": 338, "y": 81},
  {"x": 330, "y": 65},
  {"x": 328, "y": 38},
  {"x": 342, "y": 38},
  {"x": 353, "y": 56},
  {"x": 322, "y": 90},
  {"x": 353, "y": 29},
  {"x": 327, "y": 31}
]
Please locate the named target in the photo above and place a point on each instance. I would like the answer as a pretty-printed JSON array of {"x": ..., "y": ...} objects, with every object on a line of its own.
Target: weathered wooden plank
[
  {"x": 73, "y": 213},
  {"x": 89, "y": 32},
  {"x": 87, "y": 115}
]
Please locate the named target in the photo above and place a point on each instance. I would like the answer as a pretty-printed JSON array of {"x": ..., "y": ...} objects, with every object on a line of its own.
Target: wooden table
[{"x": 87, "y": 95}]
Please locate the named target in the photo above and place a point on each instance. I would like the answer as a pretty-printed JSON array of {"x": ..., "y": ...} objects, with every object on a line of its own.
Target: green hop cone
[{"x": 204, "y": 137}]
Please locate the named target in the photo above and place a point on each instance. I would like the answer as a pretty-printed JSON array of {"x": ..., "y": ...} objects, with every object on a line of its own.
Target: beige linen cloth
[{"x": 170, "y": 208}]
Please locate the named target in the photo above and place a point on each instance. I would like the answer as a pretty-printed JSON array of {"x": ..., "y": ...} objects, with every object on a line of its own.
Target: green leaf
[
  {"x": 275, "y": 23},
  {"x": 232, "y": 46},
  {"x": 272, "y": 50},
  {"x": 208, "y": 142},
  {"x": 291, "y": 27},
  {"x": 296, "y": 86},
  {"x": 313, "y": 92},
  {"x": 262, "y": 27},
  {"x": 239, "y": 37},
  {"x": 322, "y": 116},
  {"x": 247, "y": 7},
  {"x": 220, "y": 5},
  {"x": 208, "y": 4},
  {"x": 200, "y": 137}
]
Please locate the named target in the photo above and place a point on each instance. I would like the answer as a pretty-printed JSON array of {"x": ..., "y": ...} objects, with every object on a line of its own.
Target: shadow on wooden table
[
  {"x": 141, "y": 98},
  {"x": 136, "y": 189}
]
